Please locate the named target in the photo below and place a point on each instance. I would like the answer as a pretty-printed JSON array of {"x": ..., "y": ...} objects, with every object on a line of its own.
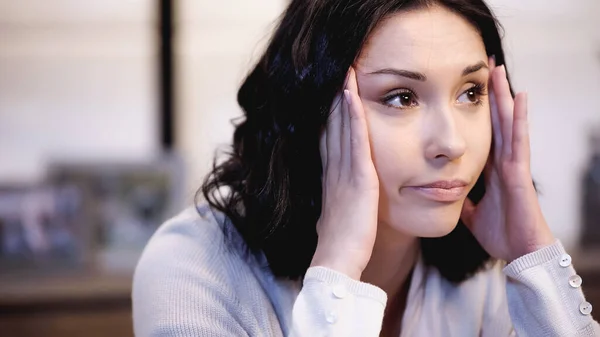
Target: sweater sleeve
[
  {"x": 545, "y": 297},
  {"x": 333, "y": 304}
]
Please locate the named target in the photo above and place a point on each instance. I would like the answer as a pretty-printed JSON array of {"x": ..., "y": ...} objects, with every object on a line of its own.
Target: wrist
[
  {"x": 539, "y": 243},
  {"x": 337, "y": 263}
]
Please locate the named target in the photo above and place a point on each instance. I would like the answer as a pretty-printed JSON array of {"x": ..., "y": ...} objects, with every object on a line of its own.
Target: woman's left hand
[{"x": 508, "y": 221}]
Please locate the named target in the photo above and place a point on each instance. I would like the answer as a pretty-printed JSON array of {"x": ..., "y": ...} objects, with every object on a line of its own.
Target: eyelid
[
  {"x": 480, "y": 86},
  {"x": 400, "y": 91}
]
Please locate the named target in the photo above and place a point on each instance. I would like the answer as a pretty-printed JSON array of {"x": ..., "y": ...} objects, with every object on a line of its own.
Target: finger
[
  {"x": 492, "y": 67},
  {"x": 496, "y": 126},
  {"x": 505, "y": 103},
  {"x": 359, "y": 139},
  {"x": 492, "y": 62},
  {"x": 496, "y": 130},
  {"x": 520, "y": 145},
  {"x": 346, "y": 149},
  {"x": 488, "y": 170},
  {"x": 333, "y": 135}
]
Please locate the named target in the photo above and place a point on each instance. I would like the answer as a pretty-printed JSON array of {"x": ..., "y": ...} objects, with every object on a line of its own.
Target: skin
[{"x": 375, "y": 151}]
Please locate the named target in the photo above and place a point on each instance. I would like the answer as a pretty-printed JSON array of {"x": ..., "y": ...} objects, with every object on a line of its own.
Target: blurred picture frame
[
  {"x": 42, "y": 229},
  {"x": 126, "y": 203}
]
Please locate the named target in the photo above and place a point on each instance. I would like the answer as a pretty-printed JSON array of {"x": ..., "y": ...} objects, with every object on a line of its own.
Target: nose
[{"x": 443, "y": 139}]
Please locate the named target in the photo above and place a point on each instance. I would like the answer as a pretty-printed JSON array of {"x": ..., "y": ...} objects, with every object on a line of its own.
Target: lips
[
  {"x": 442, "y": 191},
  {"x": 445, "y": 184}
]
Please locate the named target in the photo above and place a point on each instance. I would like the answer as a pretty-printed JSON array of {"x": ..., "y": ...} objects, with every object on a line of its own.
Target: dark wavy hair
[{"x": 272, "y": 176}]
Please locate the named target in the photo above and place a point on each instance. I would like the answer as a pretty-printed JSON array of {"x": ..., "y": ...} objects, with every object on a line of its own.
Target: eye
[
  {"x": 472, "y": 95},
  {"x": 401, "y": 99}
]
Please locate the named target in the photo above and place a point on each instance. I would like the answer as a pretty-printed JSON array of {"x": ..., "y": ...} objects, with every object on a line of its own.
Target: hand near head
[
  {"x": 508, "y": 221},
  {"x": 348, "y": 223}
]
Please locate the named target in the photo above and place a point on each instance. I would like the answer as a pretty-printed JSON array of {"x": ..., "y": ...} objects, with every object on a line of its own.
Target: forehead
[{"x": 422, "y": 39}]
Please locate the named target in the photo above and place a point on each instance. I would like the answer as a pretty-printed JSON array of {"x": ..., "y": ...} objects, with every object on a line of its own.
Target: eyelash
[{"x": 479, "y": 89}]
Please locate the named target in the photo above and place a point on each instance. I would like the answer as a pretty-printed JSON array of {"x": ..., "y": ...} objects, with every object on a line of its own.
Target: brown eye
[
  {"x": 472, "y": 95},
  {"x": 469, "y": 96},
  {"x": 401, "y": 100}
]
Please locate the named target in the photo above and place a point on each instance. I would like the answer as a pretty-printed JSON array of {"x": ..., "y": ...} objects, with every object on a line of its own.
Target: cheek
[
  {"x": 478, "y": 136},
  {"x": 393, "y": 148}
]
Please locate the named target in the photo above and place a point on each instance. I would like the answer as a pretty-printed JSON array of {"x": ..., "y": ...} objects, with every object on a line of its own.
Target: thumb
[{"x": 467, "y": 212}]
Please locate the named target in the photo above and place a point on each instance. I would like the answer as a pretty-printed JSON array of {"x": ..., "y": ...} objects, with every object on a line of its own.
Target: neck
[{"x": 394, "y": 255}]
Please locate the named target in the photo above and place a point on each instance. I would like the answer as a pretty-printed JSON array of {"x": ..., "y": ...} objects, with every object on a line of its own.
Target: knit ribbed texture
[
  {"x": 538, "y": 288},
  {"x": 534, "y": 259},
  {"x": 192, "y": 281}
]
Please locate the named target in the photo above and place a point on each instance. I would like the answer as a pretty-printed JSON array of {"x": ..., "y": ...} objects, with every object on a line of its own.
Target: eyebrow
[{"x": 421, "y": 77}]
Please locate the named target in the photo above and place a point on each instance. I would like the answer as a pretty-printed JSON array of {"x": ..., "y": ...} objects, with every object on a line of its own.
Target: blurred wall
[
  {"x": 217, "y": 41},
  {"x": 77, "y": 81}
]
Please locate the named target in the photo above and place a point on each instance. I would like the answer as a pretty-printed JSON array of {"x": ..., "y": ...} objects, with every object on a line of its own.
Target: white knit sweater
[{"x": 191, "y": 281}]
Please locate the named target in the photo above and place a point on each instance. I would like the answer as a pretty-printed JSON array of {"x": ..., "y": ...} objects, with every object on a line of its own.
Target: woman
[{"x": 378, "y": 185}]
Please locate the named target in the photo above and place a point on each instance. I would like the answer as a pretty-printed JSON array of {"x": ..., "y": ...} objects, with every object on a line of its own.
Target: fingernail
[
  {"x": 493, "y": 58},
  {"x": 347, "y": 96}
]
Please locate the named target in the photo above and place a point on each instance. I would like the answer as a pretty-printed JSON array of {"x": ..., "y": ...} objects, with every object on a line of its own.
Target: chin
[{"x": 429, "y": 222}]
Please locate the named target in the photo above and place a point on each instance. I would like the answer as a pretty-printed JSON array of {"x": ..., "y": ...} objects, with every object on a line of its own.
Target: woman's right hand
[{"x": 348, "y": 223}]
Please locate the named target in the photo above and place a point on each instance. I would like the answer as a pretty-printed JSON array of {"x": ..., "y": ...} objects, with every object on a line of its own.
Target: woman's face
[{"x": 423, "y": 79}]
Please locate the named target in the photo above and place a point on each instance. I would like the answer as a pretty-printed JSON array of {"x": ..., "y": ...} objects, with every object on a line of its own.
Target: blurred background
[{"x": 110, "y": 113}]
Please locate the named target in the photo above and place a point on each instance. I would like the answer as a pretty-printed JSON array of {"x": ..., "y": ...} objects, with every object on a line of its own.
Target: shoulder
[
  {"x": 197, "y": 243},
  {"x": 196, "y": 234},
  {"x": 190, "y": 238},
  {"x": 193, "y": 267}
]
